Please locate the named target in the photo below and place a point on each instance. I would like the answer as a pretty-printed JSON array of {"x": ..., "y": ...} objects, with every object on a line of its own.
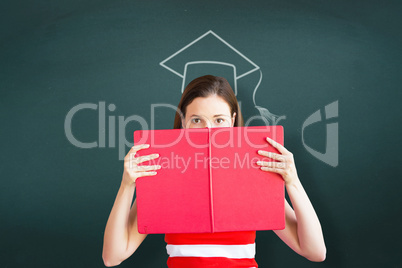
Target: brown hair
[{"x": 203, "y": 87}]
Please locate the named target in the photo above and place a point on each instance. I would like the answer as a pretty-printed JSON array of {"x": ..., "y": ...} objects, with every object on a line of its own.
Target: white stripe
[{"x": 228, "y": 251}]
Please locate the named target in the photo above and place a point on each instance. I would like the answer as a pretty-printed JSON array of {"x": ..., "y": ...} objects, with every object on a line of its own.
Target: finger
[
  {"x": 145, "y": 158},
  {"x": 146, "y": 174},
  {"x": 270, "y": 169},
  {"x": 271, "y": 155},
  {"x": 139, "y": 147},
  {"x": 134, "y": 150},
  {"x": 280, "y": 165},
  {"x": 277, "y": 145},
  {"x": 147, "y": 168}
]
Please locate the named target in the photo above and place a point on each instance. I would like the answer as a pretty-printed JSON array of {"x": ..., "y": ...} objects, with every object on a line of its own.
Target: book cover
[{"x": 209, "y": 181}]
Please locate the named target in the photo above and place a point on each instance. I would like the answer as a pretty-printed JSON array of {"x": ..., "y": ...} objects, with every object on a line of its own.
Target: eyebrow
[{"x": 217, "y": 115}]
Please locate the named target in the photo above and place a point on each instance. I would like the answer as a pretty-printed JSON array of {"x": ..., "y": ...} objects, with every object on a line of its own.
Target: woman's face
[{"x": 212, "y": 111}]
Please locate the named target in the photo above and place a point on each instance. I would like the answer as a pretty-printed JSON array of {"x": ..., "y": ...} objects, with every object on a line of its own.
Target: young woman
[{"x": 209, "y": 101}]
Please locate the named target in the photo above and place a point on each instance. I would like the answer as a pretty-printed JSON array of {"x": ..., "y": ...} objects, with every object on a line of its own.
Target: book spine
[{"x": 211, "y": 201}]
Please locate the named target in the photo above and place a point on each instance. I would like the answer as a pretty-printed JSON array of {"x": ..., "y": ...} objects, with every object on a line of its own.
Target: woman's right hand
[
  {"x": 132, "y": 171},
  {"x": 121, "y": 238}
]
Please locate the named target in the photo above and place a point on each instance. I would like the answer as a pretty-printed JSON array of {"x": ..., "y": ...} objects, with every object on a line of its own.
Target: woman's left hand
[{"x": 284, "y": 164}]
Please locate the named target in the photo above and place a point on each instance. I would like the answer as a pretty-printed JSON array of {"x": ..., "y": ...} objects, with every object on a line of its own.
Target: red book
[{"x": 209, "y": 181}]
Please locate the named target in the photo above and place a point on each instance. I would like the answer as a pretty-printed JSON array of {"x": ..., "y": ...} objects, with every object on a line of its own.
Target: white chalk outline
[
  {"x": 256, "y": 67},
  {"x": 209, "y": 62},
  {"x": 266, "y": 115}
]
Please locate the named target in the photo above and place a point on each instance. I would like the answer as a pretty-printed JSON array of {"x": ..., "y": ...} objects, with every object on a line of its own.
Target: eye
[
  {"x": 220, "y": 120},
  {"x": 195, "y": 120}
]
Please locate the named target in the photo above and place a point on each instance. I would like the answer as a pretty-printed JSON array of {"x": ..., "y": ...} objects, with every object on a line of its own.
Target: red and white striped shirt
[{"x": 229, "y": 249}]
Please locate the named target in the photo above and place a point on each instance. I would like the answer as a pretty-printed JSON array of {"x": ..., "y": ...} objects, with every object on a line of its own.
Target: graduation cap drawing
[{"x": 210, "y": 54}]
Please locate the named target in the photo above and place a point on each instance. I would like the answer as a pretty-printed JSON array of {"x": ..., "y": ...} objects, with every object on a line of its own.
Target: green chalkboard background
[{"x": 104, "y": 56}]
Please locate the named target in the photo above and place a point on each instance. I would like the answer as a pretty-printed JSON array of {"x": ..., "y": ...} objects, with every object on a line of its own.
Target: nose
[{"x": 210, "y": 124}]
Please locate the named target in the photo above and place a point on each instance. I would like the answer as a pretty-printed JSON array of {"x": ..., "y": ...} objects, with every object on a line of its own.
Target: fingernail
[
  {"x": 153, "y": 172},
  {"x": 259, "y": 162}
]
